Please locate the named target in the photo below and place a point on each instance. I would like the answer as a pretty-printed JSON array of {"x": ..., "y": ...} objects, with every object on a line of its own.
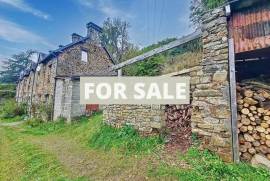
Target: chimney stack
[
  {"x": 93, "y": 31},
  {"x": 75, "y": 37}
]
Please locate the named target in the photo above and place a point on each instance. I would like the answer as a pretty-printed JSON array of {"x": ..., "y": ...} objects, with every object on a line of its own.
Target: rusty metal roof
[{"x": 250, "y": 28}]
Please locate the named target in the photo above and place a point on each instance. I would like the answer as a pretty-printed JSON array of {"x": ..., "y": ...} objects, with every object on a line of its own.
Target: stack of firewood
[
  {"x": 178, "y": 122},
  {"x": 253, "y": 120}
]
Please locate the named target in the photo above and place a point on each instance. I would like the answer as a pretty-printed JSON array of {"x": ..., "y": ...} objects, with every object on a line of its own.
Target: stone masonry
[
  {"x": 210, "y": 99},
  {"x": 145, "y": 118},
  {"x": 211, "y": 117},
  {"x": 51, "y": 80}
]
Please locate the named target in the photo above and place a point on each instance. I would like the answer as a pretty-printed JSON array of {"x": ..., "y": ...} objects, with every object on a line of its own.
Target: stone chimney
[
  {"x": 75, "y": 37},
  {"x": 93, "y": 31}
]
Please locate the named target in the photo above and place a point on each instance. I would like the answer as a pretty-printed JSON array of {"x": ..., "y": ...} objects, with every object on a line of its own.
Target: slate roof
[{"x": 43, "y": 58}]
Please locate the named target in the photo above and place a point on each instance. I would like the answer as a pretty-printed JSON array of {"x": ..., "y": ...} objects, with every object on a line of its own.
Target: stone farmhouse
[{"x": 54, "y": 79}]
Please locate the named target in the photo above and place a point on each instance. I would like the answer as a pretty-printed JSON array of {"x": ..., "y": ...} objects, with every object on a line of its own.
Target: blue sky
[{"x": 43, "y": 25}]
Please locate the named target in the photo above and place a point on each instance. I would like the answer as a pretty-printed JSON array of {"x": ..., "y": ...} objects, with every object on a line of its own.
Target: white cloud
[
  {"x": 23, "y": 6},
  {"x": 12, "y": 32},
  {"x": 107, "y": 8},
  {"x": 87, "y": 3}
]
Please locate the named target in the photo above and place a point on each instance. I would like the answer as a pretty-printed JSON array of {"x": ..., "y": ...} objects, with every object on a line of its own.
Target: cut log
[
  {"x": 245, "y": 111},
  {"x": 248, "y": 93}
]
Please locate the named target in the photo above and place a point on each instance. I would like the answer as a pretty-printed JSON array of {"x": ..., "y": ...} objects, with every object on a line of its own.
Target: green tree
[
  {"x": 12, "y": 67},
  {"x": 115, "y": 38}
]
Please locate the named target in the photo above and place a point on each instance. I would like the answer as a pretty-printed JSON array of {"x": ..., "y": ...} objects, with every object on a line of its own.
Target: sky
[{"x": 44, "y": 25}]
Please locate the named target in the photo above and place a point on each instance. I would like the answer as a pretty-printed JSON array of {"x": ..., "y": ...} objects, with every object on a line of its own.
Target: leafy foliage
[
  {"x": 7, "y": 91},
  {"x": 13, "y": 66},
  {"x": 115, "y": 37},
  {"x": 156, "y": 65},
  {"x": 42, "y": 111},
  {"x": 198, "y": 7},
  {"x": 11, "y": 109}
]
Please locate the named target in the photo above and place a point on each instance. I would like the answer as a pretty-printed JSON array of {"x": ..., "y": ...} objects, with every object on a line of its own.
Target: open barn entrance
[{"x": 253, "y": 99}]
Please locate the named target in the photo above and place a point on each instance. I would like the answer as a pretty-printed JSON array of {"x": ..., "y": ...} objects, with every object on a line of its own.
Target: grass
[
  {"x": 182, "y": 61},
  {"x": 98, "y": 135},
  {"x": 126, "y": 140},
  {"x": 27, "y": 161},
  {"x": 204, "y": 165}
]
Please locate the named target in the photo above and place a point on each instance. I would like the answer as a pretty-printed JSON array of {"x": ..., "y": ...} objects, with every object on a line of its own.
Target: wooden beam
[
  {"x": 235, "y": 143},
  {"x": 178, "y": 42}
]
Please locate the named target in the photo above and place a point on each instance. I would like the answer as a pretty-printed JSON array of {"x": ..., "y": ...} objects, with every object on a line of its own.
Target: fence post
[{"x": 235, "y": 144}]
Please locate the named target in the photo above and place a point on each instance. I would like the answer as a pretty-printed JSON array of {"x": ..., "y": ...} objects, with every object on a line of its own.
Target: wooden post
[
  {"x": 235, "y": 143},
  {"x": 119, "y": 72}
]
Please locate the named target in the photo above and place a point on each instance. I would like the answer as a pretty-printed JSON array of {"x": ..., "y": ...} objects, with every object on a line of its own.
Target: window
[{"x": 84, "y": 56}]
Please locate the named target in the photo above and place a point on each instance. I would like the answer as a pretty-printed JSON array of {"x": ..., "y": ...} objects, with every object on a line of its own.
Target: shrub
[
  {"x": 11, "y": 109},
  {"x": 33, "y": 122},
  {"x": 37, "y": 126},
  {"x": 42, "y": 111}
]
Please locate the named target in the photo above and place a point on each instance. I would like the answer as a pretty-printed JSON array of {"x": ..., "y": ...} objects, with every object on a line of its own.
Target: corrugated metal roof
[{"x": 250, "y": 28}]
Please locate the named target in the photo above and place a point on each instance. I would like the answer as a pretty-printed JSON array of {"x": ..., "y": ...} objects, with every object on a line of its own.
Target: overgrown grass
[
  {"x": 182, "y": 61},
  {"x": 126, "y": 140},
  {"x": 207, "y": 166},
  {"x": 36, "y": 126},
  {"x": 94, "y": 133}
]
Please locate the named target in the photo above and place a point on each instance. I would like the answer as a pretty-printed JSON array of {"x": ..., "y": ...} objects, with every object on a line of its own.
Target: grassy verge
[
  {"x": 94, "y": 133},
  {"x": 204, "y": 165}
]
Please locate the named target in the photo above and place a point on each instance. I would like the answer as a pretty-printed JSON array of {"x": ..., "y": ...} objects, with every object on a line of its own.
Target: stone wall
[
  {"x": 145, "y": 118},
  {"x": 70, "y": 63},
  {"x": 211, "y": 117},
  {"x": 210, "y": 99},
  {"x": 43, "y": 90}
]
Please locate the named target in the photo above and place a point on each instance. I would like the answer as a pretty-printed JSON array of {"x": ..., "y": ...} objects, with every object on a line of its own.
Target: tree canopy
[
  {"x": 115, "y": 37},
  {"x": 12, "y": 67}
]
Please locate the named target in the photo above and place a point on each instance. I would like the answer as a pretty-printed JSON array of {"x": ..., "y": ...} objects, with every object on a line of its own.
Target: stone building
[{"x": 54, "y": 79}]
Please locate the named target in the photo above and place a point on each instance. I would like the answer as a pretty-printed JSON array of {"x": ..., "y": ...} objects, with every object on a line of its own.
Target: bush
[
  {"x": 42, "y": 111},
  {"x": 37, "y": 126},
  {"x": 11, "y": 109},
  {"x": 126, "y": 140}
]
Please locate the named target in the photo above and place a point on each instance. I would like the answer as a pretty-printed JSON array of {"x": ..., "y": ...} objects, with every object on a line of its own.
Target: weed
[{"x": 126, "y": 140}]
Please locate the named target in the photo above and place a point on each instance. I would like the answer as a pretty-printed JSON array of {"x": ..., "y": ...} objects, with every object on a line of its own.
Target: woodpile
[
  {"x": 253, "y": 120},
  {"x": 178, "y": 122}
]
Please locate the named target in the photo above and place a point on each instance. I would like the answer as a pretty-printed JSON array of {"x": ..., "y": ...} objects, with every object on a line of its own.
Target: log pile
[
  {"x": 178, "y": 122},
  {"x": 253, "y": 120}
]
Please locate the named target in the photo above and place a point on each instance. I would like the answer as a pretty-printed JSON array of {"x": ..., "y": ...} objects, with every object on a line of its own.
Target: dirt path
[
  {"x": 93, "y": 164},
  {"x": 12, "y": 124}
]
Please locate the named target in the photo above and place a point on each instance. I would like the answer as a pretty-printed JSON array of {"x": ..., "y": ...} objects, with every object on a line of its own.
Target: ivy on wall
[{"x": 211, "y": 4}]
